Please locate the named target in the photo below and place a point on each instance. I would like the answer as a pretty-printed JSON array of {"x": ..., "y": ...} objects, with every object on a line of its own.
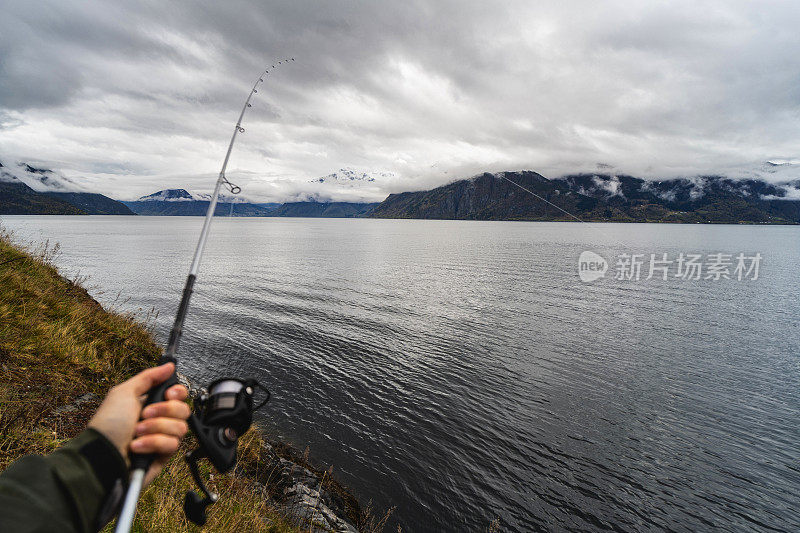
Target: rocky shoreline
[
  {"x": 304, "y": 496},
  {"x": 309, "y": 496}
]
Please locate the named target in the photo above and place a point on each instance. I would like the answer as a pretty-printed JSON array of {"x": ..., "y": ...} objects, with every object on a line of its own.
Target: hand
[{"x": 162, "y": 424}]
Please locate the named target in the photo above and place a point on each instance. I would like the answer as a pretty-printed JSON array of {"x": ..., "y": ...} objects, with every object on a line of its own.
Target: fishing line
[
  {"x": 224, "y": 332},
  {"x": 502, "y": 175}
]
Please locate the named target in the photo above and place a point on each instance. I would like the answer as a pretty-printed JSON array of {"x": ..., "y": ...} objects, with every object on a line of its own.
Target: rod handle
[{"x": 154, "y": 395}]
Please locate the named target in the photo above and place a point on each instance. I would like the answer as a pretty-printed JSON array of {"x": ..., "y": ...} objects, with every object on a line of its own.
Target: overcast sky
[{"x": 131, "y": 97}]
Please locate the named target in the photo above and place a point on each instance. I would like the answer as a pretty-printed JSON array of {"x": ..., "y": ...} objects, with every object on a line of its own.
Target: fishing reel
[{"x": 220, "y": 417}]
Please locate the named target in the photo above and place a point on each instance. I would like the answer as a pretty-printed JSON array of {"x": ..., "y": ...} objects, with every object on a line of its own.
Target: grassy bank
[{"x": 60, "y": 352}]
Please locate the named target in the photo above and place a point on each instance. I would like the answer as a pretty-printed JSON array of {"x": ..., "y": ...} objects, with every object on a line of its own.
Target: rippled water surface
[{"x": 462, "y": 372}]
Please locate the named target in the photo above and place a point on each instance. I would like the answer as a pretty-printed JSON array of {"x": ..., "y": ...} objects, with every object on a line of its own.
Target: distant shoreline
[{"x": 587, "y": 221}]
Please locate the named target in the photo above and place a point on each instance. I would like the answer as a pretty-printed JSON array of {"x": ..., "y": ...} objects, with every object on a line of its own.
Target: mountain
[
  {"x": 17, "y": 197},
  {"x": 765, "y": 194},
  {"x": 197, "y": 208},
  {"x": 700, "y": 199},
  {"x": 44, "y": 179},
  {"x": 267, "y": 205},
  {"x": 349, "y": 177},
  {"x": 600, "y": 197},
  {"x": 170, "y": 195},
  {"x": 348, "y": 185},
  {"x": 92, "y": 203},
  {"x": 324, "y": 209},
  {"x": 26, "y": 189},
  {"x": 487, "y": 197},
  {"x": 180, "y": 202}
]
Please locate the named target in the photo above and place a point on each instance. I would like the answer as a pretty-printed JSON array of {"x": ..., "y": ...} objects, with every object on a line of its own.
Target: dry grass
[{"x": 56, "y": 343}]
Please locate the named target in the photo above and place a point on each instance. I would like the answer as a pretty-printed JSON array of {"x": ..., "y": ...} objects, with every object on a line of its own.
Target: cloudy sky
[{"x": 127, "y": 98}]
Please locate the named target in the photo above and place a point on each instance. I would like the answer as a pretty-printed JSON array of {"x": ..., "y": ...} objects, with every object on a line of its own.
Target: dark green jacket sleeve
[{"x": 67, "y": 491}]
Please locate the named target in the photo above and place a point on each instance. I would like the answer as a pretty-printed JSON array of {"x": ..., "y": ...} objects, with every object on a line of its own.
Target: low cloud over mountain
[{"x": 39, "y": 179}]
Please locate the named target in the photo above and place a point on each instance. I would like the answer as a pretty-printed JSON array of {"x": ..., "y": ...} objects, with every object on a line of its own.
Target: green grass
[{"x": 56, "y": 345}]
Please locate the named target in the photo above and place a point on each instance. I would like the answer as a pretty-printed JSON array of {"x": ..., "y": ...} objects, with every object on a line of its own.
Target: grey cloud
[{"x": 128, "y": 96}]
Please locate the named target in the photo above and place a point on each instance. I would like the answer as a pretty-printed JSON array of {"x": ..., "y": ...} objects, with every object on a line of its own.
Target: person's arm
[
  {"x": 63, "y": 491},
  {"x": 77, "y": 488}
]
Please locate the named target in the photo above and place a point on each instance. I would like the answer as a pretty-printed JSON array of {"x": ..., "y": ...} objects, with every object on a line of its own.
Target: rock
[
  {"x": 75, "y": 404},
  {"x": 186, "y": 382},
  {"x": 307, "y": 505},
  {"x": 303, "y": 497},
  {"x": 292, "y": 473}
]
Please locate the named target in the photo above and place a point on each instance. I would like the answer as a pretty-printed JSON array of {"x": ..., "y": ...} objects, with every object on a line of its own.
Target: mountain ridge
[
  {"x": 527, "y": 195},
  {"x": 18, "y": 198},
  {"x": 324, "y": 209},
  {"x": 180, "y": 202},
  {"x": 513, "y": 195}
]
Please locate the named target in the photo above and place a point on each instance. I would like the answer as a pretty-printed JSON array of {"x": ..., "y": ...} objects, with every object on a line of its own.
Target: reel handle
[
  {"x": 221, "y": 416},
  {"x": 154, "y": 395},
  {"x": 194, "y": 506}
]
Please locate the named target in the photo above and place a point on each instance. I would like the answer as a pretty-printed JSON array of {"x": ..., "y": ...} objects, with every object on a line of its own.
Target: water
[{"x": 462, "y": 372}]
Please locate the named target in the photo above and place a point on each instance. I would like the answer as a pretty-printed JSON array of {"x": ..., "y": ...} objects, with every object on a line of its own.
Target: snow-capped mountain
[
  {"x": 348, "y": 177},
  {"x": 182, "y": 195},
  {"x": 346, "y": 185},
  {"x": 621, "y": 188},
  {"x": 169, "y": 195},
  {"x": 767, "y": 181},
  {"x": 186, "y": 203}
]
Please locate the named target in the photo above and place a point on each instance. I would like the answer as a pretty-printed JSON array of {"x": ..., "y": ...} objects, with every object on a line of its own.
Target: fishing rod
[{"x": 226, "y": 411}]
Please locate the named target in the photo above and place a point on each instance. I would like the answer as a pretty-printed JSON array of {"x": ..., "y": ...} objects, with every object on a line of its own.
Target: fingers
[
  {"x": 168, "y": 409},
  {"x": 165, "y": 426},
  {"x": 177, "y": 392},
  {"x": 147, "y": 379},
  {"x": 158, "y": 444}
]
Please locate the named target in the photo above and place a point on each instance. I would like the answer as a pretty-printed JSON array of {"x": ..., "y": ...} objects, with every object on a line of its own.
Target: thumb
[{"x": 147, "y": 379}]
